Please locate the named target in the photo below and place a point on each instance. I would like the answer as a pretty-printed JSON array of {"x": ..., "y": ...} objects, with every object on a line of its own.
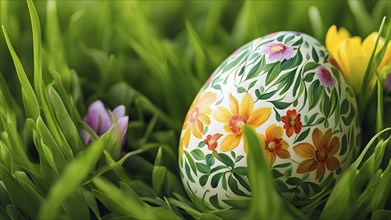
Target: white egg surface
[{"x": 285, "y": 87}]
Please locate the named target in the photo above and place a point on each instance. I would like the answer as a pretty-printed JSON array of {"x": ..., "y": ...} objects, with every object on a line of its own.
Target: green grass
[{"x": 153, "y": 57}]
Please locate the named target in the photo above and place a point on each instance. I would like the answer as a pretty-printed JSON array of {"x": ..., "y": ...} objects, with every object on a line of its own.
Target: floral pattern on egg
[{"x": 284, "y": 86}]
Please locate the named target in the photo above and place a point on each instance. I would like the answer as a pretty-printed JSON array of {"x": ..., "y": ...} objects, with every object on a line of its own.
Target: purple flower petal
[
  {"x": 324, "y": 77},
  {"x": 278, "y": 52},
  {"x": 387, "y": 84},
  {"x": 119, "y": 111},
  {"x": 86, "y": 136},
  {"x": 123, "y": 127},
  {"x": 99, "y": 112}
]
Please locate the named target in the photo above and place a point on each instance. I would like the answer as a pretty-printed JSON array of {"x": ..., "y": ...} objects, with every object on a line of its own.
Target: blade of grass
[
  {"x": 316, "y": 22},
  {"x": 266, "y": 203},
  {"x": 37, "y": 48},
  {"x": 30, "y": 101},
  {"x": 73, "y": 175},
  {"x": 368, "y": 74}
]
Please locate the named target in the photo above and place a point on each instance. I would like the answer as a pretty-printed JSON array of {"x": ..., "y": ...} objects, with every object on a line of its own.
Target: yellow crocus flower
[{"x": 352, "y": 54}]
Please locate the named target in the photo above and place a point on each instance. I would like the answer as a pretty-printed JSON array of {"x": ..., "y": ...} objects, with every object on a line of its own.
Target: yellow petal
[
  {"x": 320, "y": 171},
  {"x": 246, "y": 105},
  {"x": 207, "y": 99},
  {"x": 307, "y": 166},
  {"x": 332, "y": 163},
  {"x": 317, "y": 138},
  {"x": 233, "y": 105},
  {"x": 283, "y": 154},
  {"x": 204, "y": 119},
  {"x": 274, "y": 131},
  {"x": 327, "y": 137},
  {"x": 304, "y": 150},
  {"x": 186, "y": 138},
  {"x": 222, "y": 114},
  {"x": 369, "y": 43},
  {"x": 270, "y": 157},
  {"x": 333, "y": 146},
  {"x": 334, "y": 38},
  {"x": 230, "y": 142},
  {"x": 258, "y": 117},
  {"x": 342, "y": 59},
  {"x": 198, "y": 129}
]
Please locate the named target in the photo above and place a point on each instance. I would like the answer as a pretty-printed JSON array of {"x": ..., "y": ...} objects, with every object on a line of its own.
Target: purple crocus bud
[
  {"x": 99, "y": 119},
  {"x": 387, "y": 83}
]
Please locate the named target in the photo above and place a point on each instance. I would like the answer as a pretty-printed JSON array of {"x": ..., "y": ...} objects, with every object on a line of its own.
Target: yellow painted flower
[
  {"x": 352, "y": 55},
  {"x": 197, "y": 118},
  {"x": 236, "y": 117}
]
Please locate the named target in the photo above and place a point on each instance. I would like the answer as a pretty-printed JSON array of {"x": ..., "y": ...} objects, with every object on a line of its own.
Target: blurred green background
[{"x": 152, "y": 57}]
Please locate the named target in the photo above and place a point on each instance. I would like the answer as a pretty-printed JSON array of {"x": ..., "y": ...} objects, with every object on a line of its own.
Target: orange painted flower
[
  {"x": 292, "y": 122},
  {"x": 236, "y": 117},
  {"x": 320, "y": 155},
  {"x": 197, "y": 117},
  {"x": 211, "y": 141},
  {"x": 274, "y": 145}
]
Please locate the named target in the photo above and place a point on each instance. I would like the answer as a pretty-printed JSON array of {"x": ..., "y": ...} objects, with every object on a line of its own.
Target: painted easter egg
[{"x": 285, "y": 86}]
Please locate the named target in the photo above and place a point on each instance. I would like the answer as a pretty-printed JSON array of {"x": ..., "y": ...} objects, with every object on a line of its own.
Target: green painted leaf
[
  {"x": 315, "y": 187},
  {"x": 215, "y": 180},
  {"x": 315, "y": 92},
  {"x": 203, "y": 179},
  {"x": 240, "y": 170},
  {"x": 235, "y": 61},
  {"x": 241, "y": 90},
  {"x": 310, "y": 66},
  {"x": 315, "y": 55},
  {"x": 293, "y": 181},
  {"x": 281, "y": 105},
  {"x": 305, "y": 187},
  {"x": 233, "y": 185},
  {"x": 344, "y": 145},
  {"x": 282, "y": 165},
  {"x": 215, "y": 201},
  {"x": 309, "y": 77},
  {"x": 203, "y": 168},
  {"x": 198, "y": 154},
  {"x": 297, "y": 84},
  {"x": 344, "y": 107},
  {"x": 276, "y": 174},
  {"x": 254, "y": 71},
  {"x": 251, "y": 84},
  {"x": 191, "y": 162},
  {"x": 312, "y": 118},
  {"x": 242, "y": 182},
  {"x": 294, "y": 62},
  {"x": 266, "y": 96},
  {"x": 239, "y": 158},
  {"x": 210, "y": 160},
  {"x": 298, "y": 42},
  {"x": 273, "y": 73},
  {"x": 225, "y": 159},
  {"x": 201, "y": 144},
  {"x": 188, "y": 173}
]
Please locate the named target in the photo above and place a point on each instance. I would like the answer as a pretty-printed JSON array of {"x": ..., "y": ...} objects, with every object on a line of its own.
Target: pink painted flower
[
  {"x": 325, "y": 77},
  {"x": 99, "y": 119},
  {"x": 277, "y": 51}
]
